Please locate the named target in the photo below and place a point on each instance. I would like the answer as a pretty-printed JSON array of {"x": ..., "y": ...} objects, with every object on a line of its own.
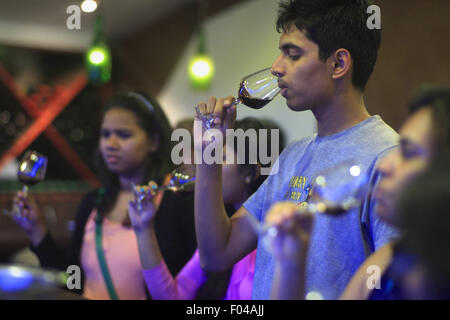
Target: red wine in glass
[
  {"x": 246, "y": 98},
  {"x": 32, "y": 169},
  {"x": 255, "y": 91}
]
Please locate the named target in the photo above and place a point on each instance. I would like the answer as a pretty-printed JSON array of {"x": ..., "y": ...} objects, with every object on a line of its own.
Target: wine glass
[
  {"x": 27, "y": 282},
  {"x": 255, "y": 91},
  {"x": 32, "y": 169},
  {"x": 334, "y": 192},
  {"x": 183, "y": 180}
]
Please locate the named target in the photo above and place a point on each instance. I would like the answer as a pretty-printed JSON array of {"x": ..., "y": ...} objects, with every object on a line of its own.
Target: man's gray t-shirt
[{"x": 339, "y": 244}]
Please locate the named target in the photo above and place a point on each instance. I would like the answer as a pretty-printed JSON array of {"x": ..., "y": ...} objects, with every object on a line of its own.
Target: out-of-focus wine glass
[
  {"x": 32, "y": 169},
  {"x": 255, "y": 91},
  {"x": 183, "y": 180},
  {"x": 21, "y": 282},
  {"x": 334, "y": 192}
]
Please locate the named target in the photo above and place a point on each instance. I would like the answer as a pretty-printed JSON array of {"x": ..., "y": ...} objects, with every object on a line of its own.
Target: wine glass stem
[
  {"x": 235, "y": 102},
  {"x": 25, "y": 190},
  {"x": 208, "y": 121}
]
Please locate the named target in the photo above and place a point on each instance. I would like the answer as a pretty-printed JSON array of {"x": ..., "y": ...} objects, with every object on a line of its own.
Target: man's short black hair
[{"x": 335, "y": 24}]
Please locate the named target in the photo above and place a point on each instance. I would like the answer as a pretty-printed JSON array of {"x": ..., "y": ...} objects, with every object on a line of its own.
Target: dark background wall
[{"x": 415, "y": 49}]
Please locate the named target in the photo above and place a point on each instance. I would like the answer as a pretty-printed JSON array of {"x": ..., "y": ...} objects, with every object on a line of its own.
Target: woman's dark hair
[
  {"x": 335, "y": 24},
  {"x": 423, "y": 211},
  {"x": 248, "y": 168},
  {"x": 438, "y": 99},
  {"x": 151, "y": 118}
]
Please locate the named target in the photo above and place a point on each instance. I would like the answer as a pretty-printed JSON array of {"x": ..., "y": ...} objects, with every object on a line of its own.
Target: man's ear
[{"x": 341, "y": 63}]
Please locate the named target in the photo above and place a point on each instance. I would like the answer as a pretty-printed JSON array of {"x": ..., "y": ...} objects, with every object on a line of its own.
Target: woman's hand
[
  {"x": 143, "y": 215},
  {"x": 290, "y": 245},
  {"x": 29, "y": 217},
  {"x": 293, "y": 227}
]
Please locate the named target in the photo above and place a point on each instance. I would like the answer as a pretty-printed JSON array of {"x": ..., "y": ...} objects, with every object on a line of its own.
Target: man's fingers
[
  {"x": 228, "y": 101},
  {"x": 218, "y": 108},
  {"x": 211, "y": 105},
  {"x": 230, "y": 117},
  {"x": 202, "y": 108}
]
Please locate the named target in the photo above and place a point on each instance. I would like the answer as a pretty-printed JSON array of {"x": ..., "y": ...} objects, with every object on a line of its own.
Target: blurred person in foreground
[
  {"x": 424, "y": 139},
  {"x": 134, "y": 148}
]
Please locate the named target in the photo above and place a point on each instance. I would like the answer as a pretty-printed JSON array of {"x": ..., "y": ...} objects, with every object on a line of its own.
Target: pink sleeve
[{"x": 162, "y": 286}]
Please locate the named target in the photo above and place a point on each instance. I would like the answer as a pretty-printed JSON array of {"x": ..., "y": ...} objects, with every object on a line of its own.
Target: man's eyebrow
[{"x": 289, "y": 45}]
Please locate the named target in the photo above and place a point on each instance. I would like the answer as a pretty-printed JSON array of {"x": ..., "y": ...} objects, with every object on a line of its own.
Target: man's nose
[{"x": 276, "y": 68}]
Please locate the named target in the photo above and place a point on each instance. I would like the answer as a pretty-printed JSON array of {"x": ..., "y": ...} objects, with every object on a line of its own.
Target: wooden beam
[
  {"x": 150, "y": 55},
  {"x": 54, "y": 107}
]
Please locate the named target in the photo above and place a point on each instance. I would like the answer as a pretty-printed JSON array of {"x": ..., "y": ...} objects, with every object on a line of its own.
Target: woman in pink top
[
  {"x": 134, "y": 148},
  {"x": 192, "y": 282}
]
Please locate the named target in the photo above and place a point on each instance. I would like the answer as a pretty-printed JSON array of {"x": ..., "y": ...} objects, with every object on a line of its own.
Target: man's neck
[{"x": 346, "y": 110}]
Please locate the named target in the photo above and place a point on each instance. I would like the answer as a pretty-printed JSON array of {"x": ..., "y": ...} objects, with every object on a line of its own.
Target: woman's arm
[
  {"x": 290, "y": 249},
  {"x": 158, "y": 278},
  {"x": 358, "y": 288},
  {"x": 162, "y": 286}
]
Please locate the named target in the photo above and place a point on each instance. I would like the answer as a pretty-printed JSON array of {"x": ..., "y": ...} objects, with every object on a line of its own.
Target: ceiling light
[{"x": 88, "y": 6}]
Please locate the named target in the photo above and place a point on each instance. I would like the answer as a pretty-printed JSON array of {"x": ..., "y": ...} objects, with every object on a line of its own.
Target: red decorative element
[{"x": 44, "y": 107}]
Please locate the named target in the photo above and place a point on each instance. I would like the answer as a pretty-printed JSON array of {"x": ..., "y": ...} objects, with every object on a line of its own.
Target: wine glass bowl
[
  {"x": 339, "y": 190},
  {"x": 334, "y": 192},
  {"x": 32, "y": 168},
  {"x": 255, "y": 91},
  {"x": 258, "y": 89},
  {"x": 182, "y": 180}
]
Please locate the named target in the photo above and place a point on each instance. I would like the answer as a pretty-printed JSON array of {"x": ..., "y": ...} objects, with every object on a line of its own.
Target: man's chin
[{"x": 297, "y": 107}]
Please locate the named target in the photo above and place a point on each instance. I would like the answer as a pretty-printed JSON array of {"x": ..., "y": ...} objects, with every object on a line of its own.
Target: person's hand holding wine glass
[
  {"x": 29, "y": 217},
  {"x": 292, "y": 226},
  {"x": 142, "y": 209},
  {"x": 255, "y": 91},
  {"x": 25, "y": 212},
  {"x": 217, "y": 113}
]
